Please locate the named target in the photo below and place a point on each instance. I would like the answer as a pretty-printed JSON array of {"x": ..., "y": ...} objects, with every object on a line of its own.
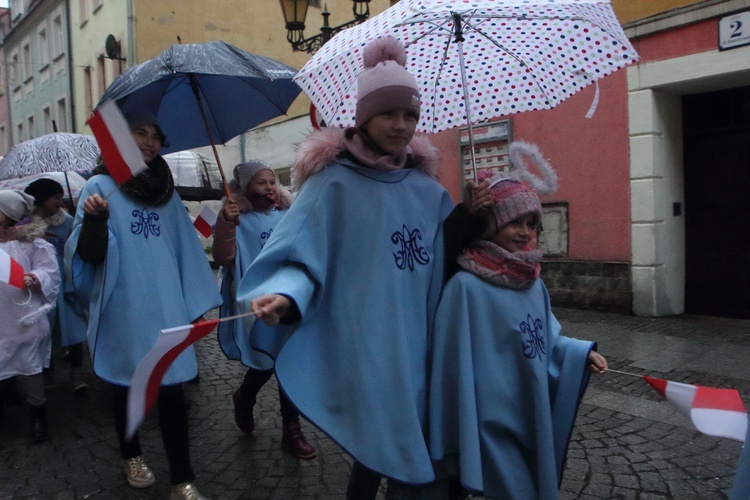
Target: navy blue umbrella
[{"x": 206, "y": 93}]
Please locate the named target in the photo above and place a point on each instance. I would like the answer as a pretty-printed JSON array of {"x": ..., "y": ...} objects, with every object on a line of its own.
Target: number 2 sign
[{"x": 734, "y": 30}]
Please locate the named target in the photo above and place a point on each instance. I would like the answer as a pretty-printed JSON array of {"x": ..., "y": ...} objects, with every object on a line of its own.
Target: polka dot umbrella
[{"x": 476, "y": 59}]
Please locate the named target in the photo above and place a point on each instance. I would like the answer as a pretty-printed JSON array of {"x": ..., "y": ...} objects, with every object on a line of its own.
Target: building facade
[{"x": 38, "y": 70}]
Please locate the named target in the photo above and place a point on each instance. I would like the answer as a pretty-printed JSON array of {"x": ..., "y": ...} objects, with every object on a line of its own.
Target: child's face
[
  {"x": 53, "y": 204},
  {"x": 518, "y": 235},
  {"x": 148, "y": 141},
  {"x": 392, "y": 131},
  {"x": 263, "y": 183}
]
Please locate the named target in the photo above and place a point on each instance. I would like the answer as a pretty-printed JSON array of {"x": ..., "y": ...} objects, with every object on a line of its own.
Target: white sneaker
[
  {"x": 138, "y": 473},
  {"x": 186, "y": 491}
]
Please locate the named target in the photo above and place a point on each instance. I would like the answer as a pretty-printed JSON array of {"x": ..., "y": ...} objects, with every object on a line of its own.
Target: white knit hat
[{"x": 15, "y": 204}]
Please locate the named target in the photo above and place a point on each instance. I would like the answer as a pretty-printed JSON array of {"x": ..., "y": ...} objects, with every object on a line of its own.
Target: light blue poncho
[
  {"x": 253, "y": 231},
  {"x": 504, "y": 389},
  {"x": 361, "y": 253},
  {"x": 156, "y": 275}
]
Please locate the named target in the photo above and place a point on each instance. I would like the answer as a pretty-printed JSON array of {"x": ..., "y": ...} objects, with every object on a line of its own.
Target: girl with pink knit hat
[
  {"x": 351, "y": 276},
  {"x": 505, "y": 384}
]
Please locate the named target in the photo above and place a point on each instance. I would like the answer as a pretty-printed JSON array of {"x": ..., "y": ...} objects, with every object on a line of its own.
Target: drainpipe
[
  {"x": 242, "y": 148},
  {"x": 131, "y": 35},
  {"x": 69, "y": 49}
]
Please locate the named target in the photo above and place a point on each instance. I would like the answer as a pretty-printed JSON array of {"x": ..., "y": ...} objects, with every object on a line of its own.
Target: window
[
  {"x": 83, "y": 12},
  {"x": 26, "y": 64},
  {"x": 3, "y": 141},
  {"x": 13, "y": 70},
  {"x": 62, "y": 116},
  {"x": 47, "y": 120},
  {"x": 32, "y": 129},
  {"x": 20, "y": 137},
  {"x": 101, "y": 75},
  {"x": 43, "y": 48},
  {"x": 490, "y": 148},
  {"x": 87, "y": 90},
  {"x": 16, "y": 9},
  {"x": 58, "y": 38}
]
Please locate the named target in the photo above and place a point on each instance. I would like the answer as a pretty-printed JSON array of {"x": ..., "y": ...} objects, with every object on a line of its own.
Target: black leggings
[
  {"x": 251, "y": 385},
  {"x": 173, "y": 424}
]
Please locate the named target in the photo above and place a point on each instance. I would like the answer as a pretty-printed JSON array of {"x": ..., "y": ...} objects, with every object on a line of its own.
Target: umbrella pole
[
  {"x": 70, "y": 192},
  {"x": 194, "y": 86},
  {"x": 460, "y": 48}
]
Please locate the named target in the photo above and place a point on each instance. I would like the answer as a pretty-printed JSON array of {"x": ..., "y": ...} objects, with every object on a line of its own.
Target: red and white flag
[
  {"x": 716, "y": 412},
  {"x": 144, "y": 386},
  {"x": 11, "y": 272},
  {"x": 119, "y": 151},
  {"x": 205, "y": 221}
]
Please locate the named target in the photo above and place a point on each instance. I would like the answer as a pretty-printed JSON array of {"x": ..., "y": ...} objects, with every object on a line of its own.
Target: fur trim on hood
[
  {"x": 323, "y": 146},
  {"x": 27, "y": 229},
  {"x": 285, "y": 197}
]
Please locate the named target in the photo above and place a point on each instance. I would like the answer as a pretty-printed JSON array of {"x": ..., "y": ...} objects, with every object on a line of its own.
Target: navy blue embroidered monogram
[
  {"x": 411, "y": 250},
  {"x": 145, "y": 223},
  {"x": 533, "y": 346}
]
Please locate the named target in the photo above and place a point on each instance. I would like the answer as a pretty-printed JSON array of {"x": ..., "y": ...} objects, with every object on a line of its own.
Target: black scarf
[{"x": 153, "y": 186}]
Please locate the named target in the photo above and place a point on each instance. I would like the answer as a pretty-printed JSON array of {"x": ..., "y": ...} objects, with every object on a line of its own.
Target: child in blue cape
[
  {"x": 138, "y": 267},
  {"x": 68, "y": 328},
  {"x": 505, "y": 384},
  {"x": 243, "y": 226},
  {"x": 351, "y": 277}
]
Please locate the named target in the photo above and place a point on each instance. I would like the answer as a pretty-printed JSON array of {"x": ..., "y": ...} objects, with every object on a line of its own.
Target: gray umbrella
[{"x": 55, "y": 152}]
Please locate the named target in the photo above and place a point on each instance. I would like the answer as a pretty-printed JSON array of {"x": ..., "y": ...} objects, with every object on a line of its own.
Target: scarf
[
  {"x": 153, "y": 186},
  {"x": 498, "y": 266},
  {"x": 261, "y": 201},
  {"x": 364, "y": 150}
]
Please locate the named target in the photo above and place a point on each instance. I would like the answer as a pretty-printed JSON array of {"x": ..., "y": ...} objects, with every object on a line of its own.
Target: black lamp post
[{"x": 295, "y": 12}]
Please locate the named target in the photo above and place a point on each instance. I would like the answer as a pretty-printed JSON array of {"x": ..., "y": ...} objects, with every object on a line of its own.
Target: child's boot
[
  {"x": 243, "y": 412},
  {"x": 293, "y": 440},
  {"x": 39, "y": 429}
]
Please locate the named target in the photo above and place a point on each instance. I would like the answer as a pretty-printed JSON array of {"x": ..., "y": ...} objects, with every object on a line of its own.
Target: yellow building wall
[
  {"x": 632, "y": 10},
  {"x": 256, "y": 26}
]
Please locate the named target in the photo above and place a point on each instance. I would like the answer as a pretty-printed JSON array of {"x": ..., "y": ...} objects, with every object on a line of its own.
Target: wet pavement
[{"x": 628, "y": 442}]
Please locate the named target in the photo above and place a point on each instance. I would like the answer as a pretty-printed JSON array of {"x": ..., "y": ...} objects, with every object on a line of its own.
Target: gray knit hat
[
  {"x": 15, "y": 204},
  {"x": 244, "y": 172}
]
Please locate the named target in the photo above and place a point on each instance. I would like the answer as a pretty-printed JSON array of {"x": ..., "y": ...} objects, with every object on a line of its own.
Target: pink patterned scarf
[{"x": 496, "y": 265}]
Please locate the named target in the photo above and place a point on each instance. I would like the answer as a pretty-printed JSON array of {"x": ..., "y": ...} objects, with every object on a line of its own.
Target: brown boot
[{"x": 293, "y": 440}]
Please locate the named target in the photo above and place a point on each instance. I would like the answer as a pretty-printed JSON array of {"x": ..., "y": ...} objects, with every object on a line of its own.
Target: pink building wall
[{"x": 591, "y": 160}]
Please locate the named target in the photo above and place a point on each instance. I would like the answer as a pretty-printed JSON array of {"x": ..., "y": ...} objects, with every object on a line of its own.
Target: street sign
[{"x": 734, "y": 30}]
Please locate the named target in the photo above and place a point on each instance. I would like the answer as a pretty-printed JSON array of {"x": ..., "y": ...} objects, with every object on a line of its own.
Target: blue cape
[
  {"x": 72, "y": 326},
  {"x": 254, "y": 229},
  {"x": 504, "y": 388},
  {"x": 741, "y": 485},
  {"x": 155, "y": 276},
  {"x": 361, "y": 253}
]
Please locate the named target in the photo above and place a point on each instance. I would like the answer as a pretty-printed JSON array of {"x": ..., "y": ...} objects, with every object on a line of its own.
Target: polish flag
[
  {"x": 119, "y": 151},
  {"x": 205, "y": 221},
  {"x": 11, "y": 272},
  {"x": 144, "y": 386},
  {"x": 716, "y": 412}
]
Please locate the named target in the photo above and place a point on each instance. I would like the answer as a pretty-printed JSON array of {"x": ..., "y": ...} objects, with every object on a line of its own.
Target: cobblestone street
[{"x": 628, "y": 442}]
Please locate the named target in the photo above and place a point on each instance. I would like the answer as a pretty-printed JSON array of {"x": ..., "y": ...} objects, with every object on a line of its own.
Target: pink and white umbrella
[{"x": 476, "y": 59}]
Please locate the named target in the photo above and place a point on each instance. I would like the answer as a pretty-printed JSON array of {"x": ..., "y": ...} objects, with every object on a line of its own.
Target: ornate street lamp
[{"x": 295, "y": 12}]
